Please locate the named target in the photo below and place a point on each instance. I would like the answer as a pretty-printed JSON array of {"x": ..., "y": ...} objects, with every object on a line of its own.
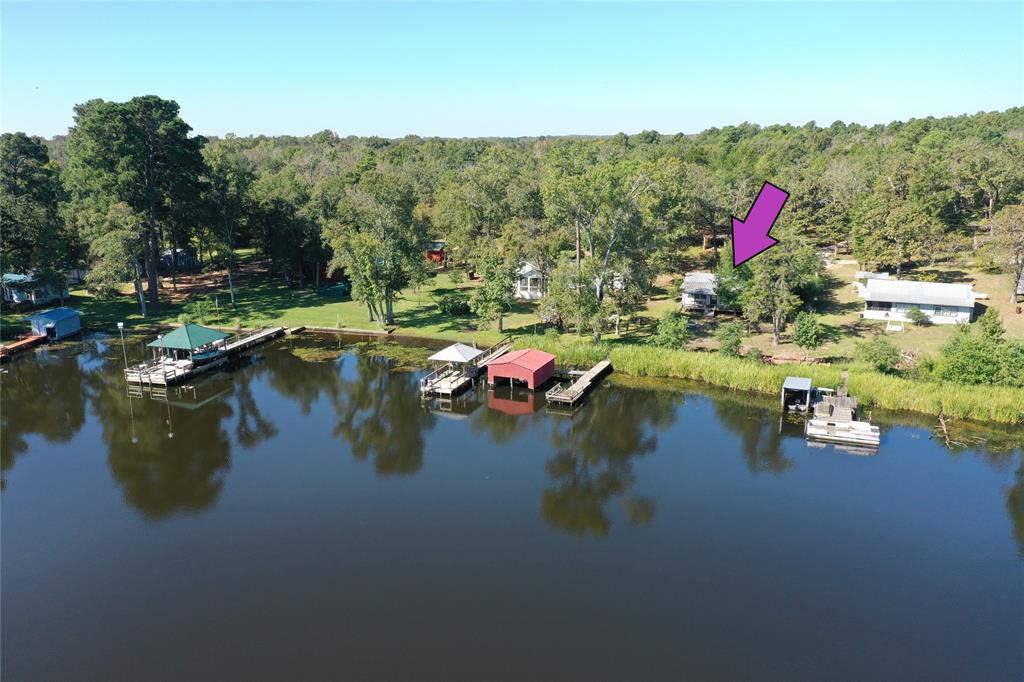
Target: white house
[
  {"x": 698, "y": 290},
  {"x": 530, "y": 282},
  {"x": 26, "y": 290},
  {"x": 891, "y": 299}
]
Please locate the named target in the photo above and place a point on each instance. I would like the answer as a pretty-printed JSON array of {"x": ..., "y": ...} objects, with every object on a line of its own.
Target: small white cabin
[
  {"x": 530, "y": 282},
  {"x": 892, "y": 299},
  {"x": 698, "y": 290}
]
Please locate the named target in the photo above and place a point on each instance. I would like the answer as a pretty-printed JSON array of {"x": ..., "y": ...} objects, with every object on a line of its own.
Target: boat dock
[
  {"x": 446, "y": 381},
  {"x": 24, "y": 343},
  {"x": 834, "y": 419},
  {"x": 462, "y": 370},
  {"x": 165, "y": 370},
  {"x": 571, "y": 394}
]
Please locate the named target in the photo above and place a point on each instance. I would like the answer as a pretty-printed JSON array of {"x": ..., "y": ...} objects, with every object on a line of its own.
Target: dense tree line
[{"x": 600, "y": 216}]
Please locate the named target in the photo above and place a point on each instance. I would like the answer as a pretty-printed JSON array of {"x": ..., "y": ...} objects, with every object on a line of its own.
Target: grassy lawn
[{"x": 840, "y": 312}]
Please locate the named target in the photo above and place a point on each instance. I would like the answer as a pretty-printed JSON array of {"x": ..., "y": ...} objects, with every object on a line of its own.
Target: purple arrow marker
[{"x": 751, "y": 236}]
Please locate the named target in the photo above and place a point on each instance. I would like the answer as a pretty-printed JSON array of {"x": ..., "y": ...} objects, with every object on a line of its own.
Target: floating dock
[
  {"x": 24, "y": 343},
  {"x": 834, "y": 420},
  {"x": 165, "y": 371},
  {"x": 571, "y": 394}
]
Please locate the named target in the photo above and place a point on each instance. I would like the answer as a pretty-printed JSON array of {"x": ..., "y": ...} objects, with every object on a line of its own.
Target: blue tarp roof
[
  {"x": 797, "y": 384},
  {"x": 55, "y": 315}
]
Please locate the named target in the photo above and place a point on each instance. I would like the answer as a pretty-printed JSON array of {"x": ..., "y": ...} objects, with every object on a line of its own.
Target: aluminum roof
[
  {"x": 797, "y": 383},
  {"x": 458, "y": 352},
  {"x": 55, "y": 315},
  {"x": 699, "y": 283},
  {"x": 922, "y": 293}
]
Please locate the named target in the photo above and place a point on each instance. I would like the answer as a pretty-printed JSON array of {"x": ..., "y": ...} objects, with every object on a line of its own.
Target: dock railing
[
  {"x": 427, "y": 382},
  {"x": 495, "y": 351}
]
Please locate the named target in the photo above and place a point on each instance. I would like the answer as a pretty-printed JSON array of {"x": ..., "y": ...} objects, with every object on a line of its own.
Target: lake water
[{"x": 300, "y": 518}]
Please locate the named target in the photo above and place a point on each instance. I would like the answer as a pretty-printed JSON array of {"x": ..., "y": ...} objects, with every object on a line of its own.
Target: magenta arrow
[{"x": 751, "y": 236}]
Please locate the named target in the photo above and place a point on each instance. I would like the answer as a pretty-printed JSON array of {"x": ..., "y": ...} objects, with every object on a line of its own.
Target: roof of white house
[
  {"x": 699, "y": 283},
  {"x": 1020, "y": 285},
  {"x": 458, "y": 352},
  {"x": 921, "y": 293},
  {"x": 529, "y": 269}
]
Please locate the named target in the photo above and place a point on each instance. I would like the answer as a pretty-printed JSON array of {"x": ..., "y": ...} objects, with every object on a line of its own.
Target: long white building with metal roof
[{"x": 892, "y": 299}]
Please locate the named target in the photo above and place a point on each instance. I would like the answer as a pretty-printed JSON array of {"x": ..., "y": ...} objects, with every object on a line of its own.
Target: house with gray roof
[
  {"x": 698, "y": 290},
  {"x": 892, "y": 299}
]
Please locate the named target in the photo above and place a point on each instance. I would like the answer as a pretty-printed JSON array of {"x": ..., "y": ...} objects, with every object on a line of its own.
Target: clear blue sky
[{"x": 510, "y": 69}]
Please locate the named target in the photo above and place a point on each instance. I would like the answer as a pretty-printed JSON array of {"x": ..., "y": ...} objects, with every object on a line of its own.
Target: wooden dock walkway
[
  {"x": 167, "y": 371},
  {"x": 24, "y": 343},
  {"x": 570, "y": 395}
]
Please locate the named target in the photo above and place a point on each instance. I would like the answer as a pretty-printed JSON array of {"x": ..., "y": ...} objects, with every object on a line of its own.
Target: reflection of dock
[
  {"x": 571, "y": 394},
  {"x": 167, "y": 370}
]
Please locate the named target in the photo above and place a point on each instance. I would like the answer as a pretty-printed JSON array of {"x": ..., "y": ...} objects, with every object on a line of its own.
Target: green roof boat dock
[{"x": 192, "y": 349}]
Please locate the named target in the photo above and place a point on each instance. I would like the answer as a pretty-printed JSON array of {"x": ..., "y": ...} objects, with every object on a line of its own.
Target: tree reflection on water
[
  {"x": 166, "y": 460},
  {"x": 594, "y": 452},
  {"x": 760, "y": 435},
  {"x": 49, "y": 403},
  {"x": 379, "y": 413},
  {"x": 173, "y": 456}
]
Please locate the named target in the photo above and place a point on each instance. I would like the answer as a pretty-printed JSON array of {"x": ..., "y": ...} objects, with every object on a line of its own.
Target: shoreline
[{"x": 994, "y": 404}]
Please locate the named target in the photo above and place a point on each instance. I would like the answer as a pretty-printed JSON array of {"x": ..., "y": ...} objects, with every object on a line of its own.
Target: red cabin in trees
[
  {"x": 435, "y": 253},
  {"x": 533, "y": 367}
]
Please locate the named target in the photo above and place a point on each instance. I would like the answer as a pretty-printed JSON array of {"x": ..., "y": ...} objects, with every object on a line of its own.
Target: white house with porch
[
  {"x": 892, "y": 299},
  {"x": 530, "y": 282},
  {"x": 698, "y": 290}
]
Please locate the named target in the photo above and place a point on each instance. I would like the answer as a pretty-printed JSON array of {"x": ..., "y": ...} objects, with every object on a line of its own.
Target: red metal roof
[{"x": 528, "y": 358}]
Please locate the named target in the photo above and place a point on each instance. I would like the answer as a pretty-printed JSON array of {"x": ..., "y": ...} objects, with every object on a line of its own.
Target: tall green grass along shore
[{"x": 986, "y": 403}]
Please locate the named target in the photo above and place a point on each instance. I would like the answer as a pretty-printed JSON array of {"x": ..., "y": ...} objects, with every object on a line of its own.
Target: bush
[
  {"x": 454, "y": 304},
  {"x": 755, "y": 355},
  {"x": 990, "y": 325},
  {"x": 880, "y": 354},
  {"x": 917, "y": 317},
  {"x": 1011, "y": 364},
  {"x": 807, "y": 331},
  {"x": 672, "y": 331},
  {"x": 730, "y": 339}
]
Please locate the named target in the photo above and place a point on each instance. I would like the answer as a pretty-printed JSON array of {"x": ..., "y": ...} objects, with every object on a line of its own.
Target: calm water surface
[{"x": 310, "y": 519}]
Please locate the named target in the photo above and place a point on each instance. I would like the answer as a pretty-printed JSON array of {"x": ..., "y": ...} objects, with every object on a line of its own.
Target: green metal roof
[{"x": 189, "y": 337}]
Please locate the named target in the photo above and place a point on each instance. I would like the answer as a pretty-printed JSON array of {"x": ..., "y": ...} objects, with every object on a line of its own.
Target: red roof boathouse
[{"x": 534, "y": 367}]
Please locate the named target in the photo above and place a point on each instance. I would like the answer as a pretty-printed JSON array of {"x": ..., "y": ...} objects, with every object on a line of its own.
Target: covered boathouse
[
  {"x": 531, "y": 366},
  {"x": 56, "y": 324},
  {"x": 191, "y": 342}
]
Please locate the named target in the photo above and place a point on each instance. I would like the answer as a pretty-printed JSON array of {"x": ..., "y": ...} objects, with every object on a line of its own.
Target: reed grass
[{"x": 872, "y": 388}]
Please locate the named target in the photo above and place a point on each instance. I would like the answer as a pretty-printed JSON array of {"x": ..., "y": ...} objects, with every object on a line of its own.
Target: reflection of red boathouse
[
  {"x": 504, "y": 399},
  {"x": 531, "y": 366}
]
